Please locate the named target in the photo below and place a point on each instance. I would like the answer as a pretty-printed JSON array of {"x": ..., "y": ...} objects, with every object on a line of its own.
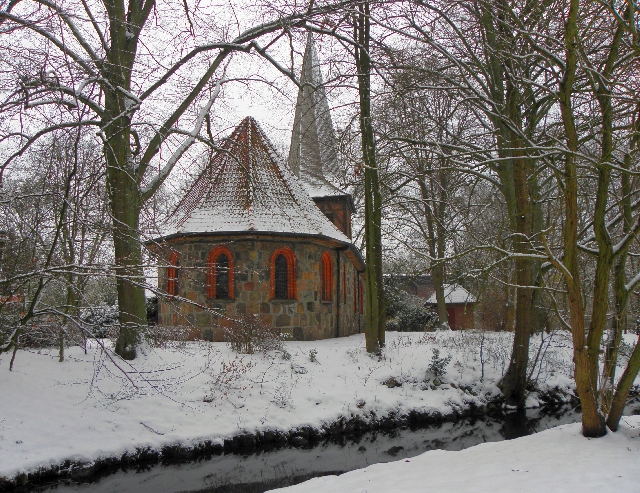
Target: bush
[
  {"x": 407, "y": 313},
  {"x": 438, "y": 365},
  {"x": 248, "y": 334},
  {"x": 151, "y": 305},
  {"x": 44, "y": 332},
  {"x": 101, "y": 320},
  {"x": 162, "y": 337}
]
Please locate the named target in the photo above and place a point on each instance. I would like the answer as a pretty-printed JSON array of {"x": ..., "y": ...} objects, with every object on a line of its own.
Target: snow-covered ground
[
  {"x": 556, "y": 460},
  {"x": 86, "y": 408}
]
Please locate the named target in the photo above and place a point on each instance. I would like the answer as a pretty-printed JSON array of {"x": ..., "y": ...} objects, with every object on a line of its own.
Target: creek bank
[{"x": 340, "y": 431}]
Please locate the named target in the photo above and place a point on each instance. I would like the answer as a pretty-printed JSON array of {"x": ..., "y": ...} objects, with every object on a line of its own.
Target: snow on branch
[
  {"x": 54, "y": 40},
  {"x": 39, "y": 134},
  {"x": 74, "y": 30},
  {"x": 164, "y": 172}
]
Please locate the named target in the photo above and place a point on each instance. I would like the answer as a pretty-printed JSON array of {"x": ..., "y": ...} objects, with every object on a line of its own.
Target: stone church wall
[{"x": 306, "y": 317}]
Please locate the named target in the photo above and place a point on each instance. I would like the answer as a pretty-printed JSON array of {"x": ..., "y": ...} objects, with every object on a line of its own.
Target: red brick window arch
[
  {"x": 326, "y": 276},
  {"x": 282, "y": 272},
  {"x": 355, "y": 293},
  {"x": 360, "y": 295},
  {"x": 220, "y": 274},
  {"x": 172, "y": 274}
]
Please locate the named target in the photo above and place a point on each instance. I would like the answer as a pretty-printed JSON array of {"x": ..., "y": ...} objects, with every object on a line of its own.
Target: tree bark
[
  {"x": 375, "y": 304},
  {"x": 436, "y": 246},
  {"x": 593, "y": 423},
  {"x": 122, "y": 180}
]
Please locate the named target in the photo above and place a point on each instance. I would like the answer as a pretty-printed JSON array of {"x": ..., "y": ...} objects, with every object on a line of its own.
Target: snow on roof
[
  {"x": 453, "y": 293},
  {"x": 245, "y": 187},
  {"x": 313, "y": 155}
]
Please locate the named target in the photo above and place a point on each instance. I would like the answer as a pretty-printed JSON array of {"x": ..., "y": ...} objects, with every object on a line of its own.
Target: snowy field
[
  {"x": 553, "y": 461},
  {"x": 90, "y": 407}
]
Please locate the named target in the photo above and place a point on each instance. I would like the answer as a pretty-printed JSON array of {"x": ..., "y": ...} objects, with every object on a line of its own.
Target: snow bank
[
  {"x": 556, "y": 460},
  {"x": 86, "y": 408}
]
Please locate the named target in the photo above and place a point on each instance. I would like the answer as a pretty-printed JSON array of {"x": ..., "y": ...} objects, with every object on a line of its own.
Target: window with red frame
[
  {"x": 172, "y": 275},
  {"x": 344, "y": 287},
  {"x": 283, "y": 274},
  {"x": 355, "y": 293},
  {"x": 326, "y": 276},
  {"x": 220, "y": 274}
]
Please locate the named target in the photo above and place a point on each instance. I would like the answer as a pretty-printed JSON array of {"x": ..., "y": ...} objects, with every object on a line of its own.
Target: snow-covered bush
[
  {"x": 100, "y": 320},
  {"x": 407, "y": 313},
  {"x": 248, "y": 334},
  {"x": 438, "y": 365},
  {"x": 232, "y": 376},
  {"x": 282, "y": 395},
  {"x": 44, "y": 331},
  {"x": 152, "y": 309},
  {"x": 9, "y": 318}
]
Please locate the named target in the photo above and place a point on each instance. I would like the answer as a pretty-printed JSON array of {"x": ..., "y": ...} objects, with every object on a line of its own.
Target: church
[{"x": 255, "y": 235}]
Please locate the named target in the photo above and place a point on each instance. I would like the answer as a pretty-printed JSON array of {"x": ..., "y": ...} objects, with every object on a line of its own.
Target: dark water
[{"x": 263, "y": 471}]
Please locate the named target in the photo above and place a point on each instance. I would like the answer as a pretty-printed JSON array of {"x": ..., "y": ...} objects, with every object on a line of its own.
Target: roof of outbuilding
[
  {"x": 313, "y": 155},
  {"x": 246, "y": 188},
  {"x": 453, "y": 293}
]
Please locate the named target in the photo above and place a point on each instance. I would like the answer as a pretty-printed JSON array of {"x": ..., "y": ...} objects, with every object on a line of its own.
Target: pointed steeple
[{"x": 313, "y": 155}]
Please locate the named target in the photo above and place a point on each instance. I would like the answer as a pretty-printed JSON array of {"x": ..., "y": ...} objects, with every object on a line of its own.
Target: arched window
[
  {"x": 344, "y": 287},
  {"x": 172, "y": 274},
  {"x": 283, "y": 274},
  {"x": 326, "y": 276},
  {"x": 220, "y": 274},
  {"x": 360, "y": 295},
  {"x": 355, "y": 293}
]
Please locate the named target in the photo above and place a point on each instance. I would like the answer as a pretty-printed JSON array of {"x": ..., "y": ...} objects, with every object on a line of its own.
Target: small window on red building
[
  {"x": 283, "y": 274},
  {"x": 220, "y": 274},
  {"x": 172, "y": 274},
  {"x": 326, "y": 276}
]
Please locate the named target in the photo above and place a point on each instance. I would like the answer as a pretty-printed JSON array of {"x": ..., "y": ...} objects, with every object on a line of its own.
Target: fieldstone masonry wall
[{"x": 306, "y": 317}]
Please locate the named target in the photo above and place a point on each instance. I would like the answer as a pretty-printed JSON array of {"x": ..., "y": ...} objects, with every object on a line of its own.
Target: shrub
[
  {"x": 101, "y": 320},
  {"x": 248, "y": 334},
  {"x": 233, "y": 376},
  {"x": 438, "y": 365},
  {"x": 407, "y": 313},
  {"x": 151, "y": 305},
  {"x": 44, "y": 332},
  {"x": 161, "y": 336}
]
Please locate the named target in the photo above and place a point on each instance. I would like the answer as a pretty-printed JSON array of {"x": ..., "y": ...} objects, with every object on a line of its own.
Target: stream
[{"x": 259, "y": 472}]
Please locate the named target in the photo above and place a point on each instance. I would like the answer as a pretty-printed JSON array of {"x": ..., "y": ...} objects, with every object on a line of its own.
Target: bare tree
[{"x": 110, "y": 68}]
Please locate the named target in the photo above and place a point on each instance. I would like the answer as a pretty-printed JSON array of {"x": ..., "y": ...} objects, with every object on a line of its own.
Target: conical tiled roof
[
  {"x": 313, "y": 155},
  {"x": 245, "y": 187}
]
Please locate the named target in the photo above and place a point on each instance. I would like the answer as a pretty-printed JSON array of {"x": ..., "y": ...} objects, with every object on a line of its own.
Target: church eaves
[
  {"x": 246, "y": 188},
  {"x": 313, "y": 155}
]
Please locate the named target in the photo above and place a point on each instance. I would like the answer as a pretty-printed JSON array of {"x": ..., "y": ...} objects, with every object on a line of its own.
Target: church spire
[{"x": 313, "y": 155}]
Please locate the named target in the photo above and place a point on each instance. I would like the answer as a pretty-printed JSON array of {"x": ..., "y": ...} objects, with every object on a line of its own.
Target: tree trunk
[
  {"x": 437, "y": 272},
  {"x": 435, "y": 243},
  {"x": 614, "y": 403},
  {"x": 514, "y": 383},
  {"x": 622, "y": 390},
  {"x": 122, "y": 180},
  {"x": 593, "y": 423},
  {"x": 375, "y": 306},
  {"x": 510, "y": 306},
  {"x": 125, "y": 203}
]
